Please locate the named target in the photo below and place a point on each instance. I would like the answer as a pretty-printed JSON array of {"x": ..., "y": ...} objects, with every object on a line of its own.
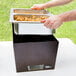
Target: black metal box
[
  {"x": 35, "y": 47},
  {"x": 34, "y": 52}
]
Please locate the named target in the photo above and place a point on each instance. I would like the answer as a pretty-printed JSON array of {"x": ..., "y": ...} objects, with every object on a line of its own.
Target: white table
[{"x": 65, "y": 63}]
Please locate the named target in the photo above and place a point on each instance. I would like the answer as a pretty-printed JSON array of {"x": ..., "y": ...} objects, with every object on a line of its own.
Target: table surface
[{"x": 65, "y": 63}]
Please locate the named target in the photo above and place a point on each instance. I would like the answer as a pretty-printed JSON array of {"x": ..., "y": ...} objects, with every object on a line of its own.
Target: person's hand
[
  {"x": 53, "y": 22},
  {"x": 37, "y": 7}
]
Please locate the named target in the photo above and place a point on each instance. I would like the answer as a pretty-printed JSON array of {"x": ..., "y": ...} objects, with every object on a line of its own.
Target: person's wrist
[{"x": 61, "y": 18}]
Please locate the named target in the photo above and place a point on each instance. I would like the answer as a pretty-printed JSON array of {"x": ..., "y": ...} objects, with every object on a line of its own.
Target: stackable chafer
[{"x": 35, "y": 47}]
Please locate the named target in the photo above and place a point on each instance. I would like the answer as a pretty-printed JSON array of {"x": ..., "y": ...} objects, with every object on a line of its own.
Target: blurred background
[{"x": 67, "y": 30}]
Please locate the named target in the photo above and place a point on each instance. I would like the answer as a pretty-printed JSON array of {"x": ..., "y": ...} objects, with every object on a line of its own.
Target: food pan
[
  {"x": 29, "y": 18},
  {"x": 28, "y": 11},
  {"x": 32, "y": 29},
  {"x": 23, "y": 11},
  {"x": 30, "y": 23}
]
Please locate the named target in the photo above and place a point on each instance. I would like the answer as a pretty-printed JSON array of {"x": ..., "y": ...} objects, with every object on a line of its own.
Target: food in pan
[
  {"x": 27, "y": 12},
  {"x": 29, "y": 17}
]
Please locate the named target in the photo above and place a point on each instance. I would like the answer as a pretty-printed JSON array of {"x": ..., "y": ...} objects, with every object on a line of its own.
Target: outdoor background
[{"x": 67, "y": 30}]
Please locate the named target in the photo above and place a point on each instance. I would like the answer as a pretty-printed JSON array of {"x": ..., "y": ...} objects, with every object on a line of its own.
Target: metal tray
[
  {"x": 32, "y": 12},
  {"x": 29, "y": 11},
  {"x": 30, "y": 27},
  {"x": 29, "y": 18}
]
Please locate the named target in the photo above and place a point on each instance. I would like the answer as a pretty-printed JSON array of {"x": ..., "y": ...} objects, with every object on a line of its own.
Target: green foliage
[{"x": 67, "y": 30}]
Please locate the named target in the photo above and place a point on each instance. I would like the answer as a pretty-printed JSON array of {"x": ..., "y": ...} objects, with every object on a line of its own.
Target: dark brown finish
[{"x": 34, "y": 50}]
